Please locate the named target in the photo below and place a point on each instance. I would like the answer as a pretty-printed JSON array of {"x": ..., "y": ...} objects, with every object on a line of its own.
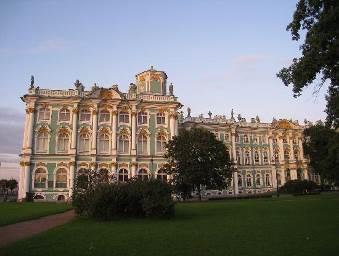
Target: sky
[{"x": 218, "y": 54}]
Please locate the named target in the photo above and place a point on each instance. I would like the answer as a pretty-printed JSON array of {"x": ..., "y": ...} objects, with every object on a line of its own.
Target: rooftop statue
[
  {"x": 171, "y": 89},
  {"x": 188, "y": 112},
  {"x": 257, "y": 119},
  {"x": 210, "y": 114},
  {"x": 32, "y": 83},
  {"x": 232, "y": 114},
  {"x": 239, "y": 118}
]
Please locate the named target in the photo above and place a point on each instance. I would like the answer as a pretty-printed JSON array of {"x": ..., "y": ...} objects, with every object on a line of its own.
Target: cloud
[
  {"x": 247, "y": 59},
  {"x": 11, "y": 130}
]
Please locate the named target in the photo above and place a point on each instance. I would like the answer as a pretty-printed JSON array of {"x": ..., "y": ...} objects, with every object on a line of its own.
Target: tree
[
  {"x": 320, "y": 55},
  {"x": 322, "y": 146},
  {"x": 195, "y": 159},
  {"x": 12, "y": 184}
]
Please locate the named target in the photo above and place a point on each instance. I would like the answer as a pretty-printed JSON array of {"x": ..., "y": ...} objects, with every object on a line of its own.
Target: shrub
[
  {"x": 133, "y": 199},
  {"x": 299, "y": 187}
]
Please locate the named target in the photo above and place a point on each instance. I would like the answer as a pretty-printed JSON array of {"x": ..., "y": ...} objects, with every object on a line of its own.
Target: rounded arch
[
  {"x": 143, "y": 174},
  {"x": 123, "y": 175},
  {"x": 61, "y": 198},
  {"x": 103, "y": 175},
  {"x": 61, "y": 178},
  {"x": 40, "y": 178},
  {"x": 162, "y": 175},
  {"x": 39, "y": 197}
]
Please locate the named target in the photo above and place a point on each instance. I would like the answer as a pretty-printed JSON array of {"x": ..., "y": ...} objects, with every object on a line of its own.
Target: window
[
  {"x": 64, "y": 115},
  {"x": 123, "y": 144},
  {"x": 257, "y": 179},
  {"x": 103, "y": 143},
  {"x": 237, "y": 138},
  {"x": 255, "y": 139},
  {"x": 284, "y": 140},
  {"x": 103, "y": 175},
  {"x": 40, "y": 178},
  {"x": 142, "y": 118},
  {"x": 239, "y": 180},
  {"x": 267, "y": 180},
  {"x": 256, "y": 156},
  {"x": 249, "y": 180},
  {"x": 161, "y": 118},
  {"x": 61, "y": 178},
  {"x": 142, "y": 174},
  {"x": 63, "y": 142},
  {"x": 85, "y": 115},
  {"x": 83, "y": 178},
  {"x": 42, "y": 141},
  {"x": 276, "y": 156},
  {"x": 124, "y": 117},
  {"x": 84, "y": 142},
  {"x": 44, "y": 114},
  {"x": 142, "y": 144},
  {"x": 238, "y": 156},
  {"x": 104, "y": 116},
  {"x": 286, "y": 154},
  {"x": 162, "y": 175},
  {"x": 295, "y": 153},
  {"x": 279, "y": 179},
  {"x": 288, "y": 175},
  {"x": 161, "y": 142},
  {"x": 245, "y": 139},
  {"x": 265, "y": 157},
  {"x": 123, "y": 175},
  {"x": 247, "y": 157}
]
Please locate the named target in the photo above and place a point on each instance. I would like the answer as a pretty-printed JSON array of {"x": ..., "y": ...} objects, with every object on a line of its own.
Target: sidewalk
[{"x": 21, "y": 230}]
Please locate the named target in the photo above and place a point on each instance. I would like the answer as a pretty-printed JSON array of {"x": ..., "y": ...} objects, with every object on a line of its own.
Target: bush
[
  {"x": 29, "y": 197},
  {"x": 133, "y": 199},
  {"x": 299, "y": 187}
]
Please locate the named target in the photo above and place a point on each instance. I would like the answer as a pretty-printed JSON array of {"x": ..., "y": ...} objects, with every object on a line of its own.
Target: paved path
[{"x": 21, "y": 230}]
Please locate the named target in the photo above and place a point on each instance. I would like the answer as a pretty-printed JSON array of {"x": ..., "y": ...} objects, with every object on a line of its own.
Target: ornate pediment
[
  {"x": 284, "y": 124},
  {"x": 105, "y": 94}
]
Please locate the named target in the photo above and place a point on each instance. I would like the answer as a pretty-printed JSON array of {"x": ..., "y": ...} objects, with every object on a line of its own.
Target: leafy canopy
[
  {"x": 320, "y": 51},
  {"x": 196, "y": 158}
]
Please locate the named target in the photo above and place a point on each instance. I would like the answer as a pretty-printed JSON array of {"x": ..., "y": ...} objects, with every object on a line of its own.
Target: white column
[
  {"x": 74, "y": 130},
  {"x": 281, "y": 149},
  {"x": 24, "y": 141},
  {"x": 235, "y": 181},
  {"x": 30, "y": 128},
  {"x": 172, "y": 124},
  {"x": 133, "y": 170},
  {"x": 114, "y": 171},
  {"x": 21, "y": 182},
  {"x": 95, "y": 127},
  {"x": 114, "y": 132},
  {"x": 71, "y": 179},
  {"x": 301, "y": 149},
  {"x": 274, "y": 177},
  {"x": 271, "y": 153},
  {"x": 291, "y": 149},
  {"x": 305, "y": 172},
  {"x": 133, "y": 132},
  {"x": 234, "y": 154},
  {"x": 27, "y": 177}
]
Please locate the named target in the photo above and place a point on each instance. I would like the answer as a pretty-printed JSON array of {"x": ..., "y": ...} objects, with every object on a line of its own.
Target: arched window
[
  {"x": 142, "y": 118},
  {"x": 44, "y": 114},
  {"x": 267, "y": 180},
  {"x": 284, "y": 140},
  {"x": 124, "y": 117},
  {"x": 82, "y": 178},
  {"x": 61, "y": 178},
  {"x": 161, "y": 175},
  {"x": 40, "y": 178},
  {"x": 249, "y": 180},
  {"x": 255, "y": 139},
  {"x": 104, "y": 143},
  {"x": 42, "y": 141},
  {"x": 296, "y": 156},
  {"x": 299, "y": 174},
  {"x": 123, "y": 175},
  {"x": 64, "y": 115},
  {"x": 265, "y": 157},
  {"x": 123, "y": 144},
  {"x": 142, "y": 174},
  {"x": 85, "y": 115},
  {"x": 286, "y": 154},
  {"x": 104, "y": 116},
  {"x": 279, "y": 179},
  {"x": 160, "y": 118},
  {"x": 63, "y": 142},
  {"x": 239, "y": 180},
  {"x": 245, "y": 139},
  {"x": 257, "y": 179},
  {"x": 142, "y": 144},
  {"x": 161, "y": 142},
  {"x": 247, "y": 157},
  {"x": 84, "y": 142},
  {"x": 238, "y": 156},
  {"x": 276, "y": 156},
  {"x": 256, "y": 156},
  {"x": 288, "y": 175}
]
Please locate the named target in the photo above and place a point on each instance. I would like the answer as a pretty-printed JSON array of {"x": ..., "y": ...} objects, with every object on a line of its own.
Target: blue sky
[{"x": 218, "y": 54}]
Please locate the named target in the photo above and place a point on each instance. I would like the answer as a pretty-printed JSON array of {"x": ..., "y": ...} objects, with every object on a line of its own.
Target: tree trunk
[{"x": 199, "y": 192}]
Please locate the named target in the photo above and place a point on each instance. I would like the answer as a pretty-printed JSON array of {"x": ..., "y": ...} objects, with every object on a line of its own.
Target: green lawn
[
  {"x": 286, "y": 226},
  {"x": 15, "y": 212}
]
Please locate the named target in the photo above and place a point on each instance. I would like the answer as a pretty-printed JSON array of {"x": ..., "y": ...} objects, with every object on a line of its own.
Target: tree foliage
[
  {"x": 322, "y": 146},
  {"x": 320, "y": 51},
  {"x": 196, "y": 158}
]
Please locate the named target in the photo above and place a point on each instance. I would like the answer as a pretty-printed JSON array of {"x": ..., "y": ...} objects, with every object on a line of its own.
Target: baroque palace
[{"x": 123, "y": 134}]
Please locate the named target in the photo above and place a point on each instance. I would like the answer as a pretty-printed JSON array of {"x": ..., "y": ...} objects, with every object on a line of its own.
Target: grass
[
  {"x": 285, "y": 226},
  {"x": 16, "y": 212}
]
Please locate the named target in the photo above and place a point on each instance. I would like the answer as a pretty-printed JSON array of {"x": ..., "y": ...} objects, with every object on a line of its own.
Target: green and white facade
[{"x": 70, "y": 131}]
